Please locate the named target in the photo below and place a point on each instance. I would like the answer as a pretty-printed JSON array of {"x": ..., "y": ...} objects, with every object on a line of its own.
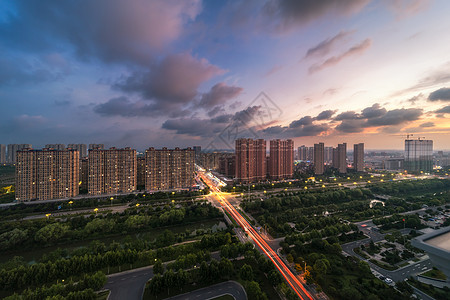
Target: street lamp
[
  {"x": 96, "y": 210},
  {"x": 112, "y": 198},
  {"x": 48, "y": 215}
]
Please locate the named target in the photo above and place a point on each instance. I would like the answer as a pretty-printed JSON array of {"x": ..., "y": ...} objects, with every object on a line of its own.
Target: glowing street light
[
  {"x": 137, "y": 204},
  {"x": 48, "y": 215},
  {"x": 96, "y": 210}
]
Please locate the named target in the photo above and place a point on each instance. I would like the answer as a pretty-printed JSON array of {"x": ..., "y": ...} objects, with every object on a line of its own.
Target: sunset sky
[{"x": 144, "y": 73}]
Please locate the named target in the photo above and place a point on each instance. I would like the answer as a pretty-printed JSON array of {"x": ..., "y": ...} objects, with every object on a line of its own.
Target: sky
[{"x": 166, "y": 73}]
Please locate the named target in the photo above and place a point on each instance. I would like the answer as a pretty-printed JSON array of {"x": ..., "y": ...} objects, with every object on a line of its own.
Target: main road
[{"x": 295, "y": 283}]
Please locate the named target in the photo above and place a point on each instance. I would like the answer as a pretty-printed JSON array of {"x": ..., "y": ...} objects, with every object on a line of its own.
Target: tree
[
  {"x": 254, "y": 291},
  {"x": 275, "y": 278},
  {"x": 51, "y": 233},
  {"x": 246, "y": 272},
  {"x": 158, "y": 267},
  {"x": 226, "y": 268},
  {"x": 290, "y": 258}
]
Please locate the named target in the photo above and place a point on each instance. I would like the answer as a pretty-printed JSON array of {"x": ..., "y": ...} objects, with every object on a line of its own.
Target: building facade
[
  {"x": 302, "y": 153},
  {"x": 47, "y": 174},
  {"x": 251, "y": 162},
  {"x": 12, "y": 150},
  {"x": 56, "y": 146},
  {"x": 227, "y": 165},
  {"x": 2, "y": 154},
  {"x": 80, "y": 147},
  {"x": 340, "y": 158},
  {"x": 358, "y": 157},
  {"x": 281, "y": 159},
  {"x": 419, "y": 155},
  {"x": 319, "y": 158},
  {"x": 112, "y": 171},
  {"x": 97, "y": 146},
  {"x": 168, "y": 169},
  {"x": 141, "y": 166}
]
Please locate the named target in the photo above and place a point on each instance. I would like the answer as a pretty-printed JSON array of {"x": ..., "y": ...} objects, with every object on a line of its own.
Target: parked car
[{"x": 388, "y": 280}]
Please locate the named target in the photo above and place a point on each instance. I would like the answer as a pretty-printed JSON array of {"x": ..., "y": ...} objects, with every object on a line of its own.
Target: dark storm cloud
[
  {"x": 334, "y": 60},
  {"x": 375, "y": 115},
  {"x": 442, "y": 94},
  {"x": 109, "y": 30},
  {"x": 307, "y": 120},
  {"x": 222, "y": 119},
  {"x": 292, "y": 132},
  {"x": 374, "y": 111},
  {"x": 325, "y": 115},
  {"x": 396, "y": 117},
  {"x": 219, "y": 94},
  {"x": 192, "y": 126},
  {"x": 290, "y": 13},
  {"x": 348, "y": 115},
  {"x": 350, "y": 126},
  {"x": 198, "y": 127},
  {"x": 444, "y": 110},
  {"x": 121, "y": 106},
  {"x": 172, "y": 82},
  {"x": 325, "y": 46}
]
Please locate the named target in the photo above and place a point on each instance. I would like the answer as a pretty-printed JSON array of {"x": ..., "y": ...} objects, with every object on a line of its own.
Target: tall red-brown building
[
  {"x": 281, "y": 159},
  {"x": 250, "y": 160}
]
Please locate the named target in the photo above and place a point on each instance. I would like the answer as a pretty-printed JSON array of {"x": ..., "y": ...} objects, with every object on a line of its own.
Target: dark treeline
[{"x": 47, "y": 232}]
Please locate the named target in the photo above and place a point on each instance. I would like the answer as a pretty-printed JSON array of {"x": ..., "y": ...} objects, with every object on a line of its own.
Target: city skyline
[{"x": 361, "y": 71}]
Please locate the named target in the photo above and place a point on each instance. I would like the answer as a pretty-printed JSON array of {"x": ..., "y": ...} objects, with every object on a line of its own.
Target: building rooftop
[{"x": 441, "y": 241}]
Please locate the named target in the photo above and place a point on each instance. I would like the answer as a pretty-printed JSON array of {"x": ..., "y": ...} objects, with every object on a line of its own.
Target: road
[
  {"x": 294, "y": 282},
  {"x": 232, "y": 288},
  {"x": 128, "y": 285}
]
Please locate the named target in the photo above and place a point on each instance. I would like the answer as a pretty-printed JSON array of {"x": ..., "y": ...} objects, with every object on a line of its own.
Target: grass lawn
[{"x": 435, "y": 273}]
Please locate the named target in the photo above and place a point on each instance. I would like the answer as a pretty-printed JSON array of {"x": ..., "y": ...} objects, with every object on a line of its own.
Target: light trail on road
[{"x": 292, "y": 280}]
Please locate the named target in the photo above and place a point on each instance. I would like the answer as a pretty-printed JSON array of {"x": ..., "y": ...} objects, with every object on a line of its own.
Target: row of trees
[
  {"x": 45, "y": 232},
  {"x": 100, "y": 258},
  {"x": 401, "y": 188},
  {"x": 83, "y": 289}
]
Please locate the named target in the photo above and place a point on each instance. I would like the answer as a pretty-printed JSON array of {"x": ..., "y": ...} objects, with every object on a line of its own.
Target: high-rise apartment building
[
  {"x": 310, "y": 155},
  {"x": 96, "y": 146},
  {"x": 112, "y": 171},
  {"x": 141, "y": 166},
  {"x": 56, "y": 146},
  {"x": 47, "y": 174},
  {"x": 342, "y": 158},
  {"x": 302, "y": 153},
  {"x": 168, "y": 169},
  {"x": 250, "y": 160},
  {"x": 281, "y": 159},
  {"x": 197, "y": 152},
  {"x": 358, "y": 157},
  {"x": 80, "y": 147},
  {"x": 84, "y": 175},
  {"x": 328, "y": 154},
  {"x": 227, "y": 165},
  {"x": 2, "y": 154},
  {"x": 419, "y": 155},
  {"x": 319, "y": 157},
  {"x": 12, "y": 149}
]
